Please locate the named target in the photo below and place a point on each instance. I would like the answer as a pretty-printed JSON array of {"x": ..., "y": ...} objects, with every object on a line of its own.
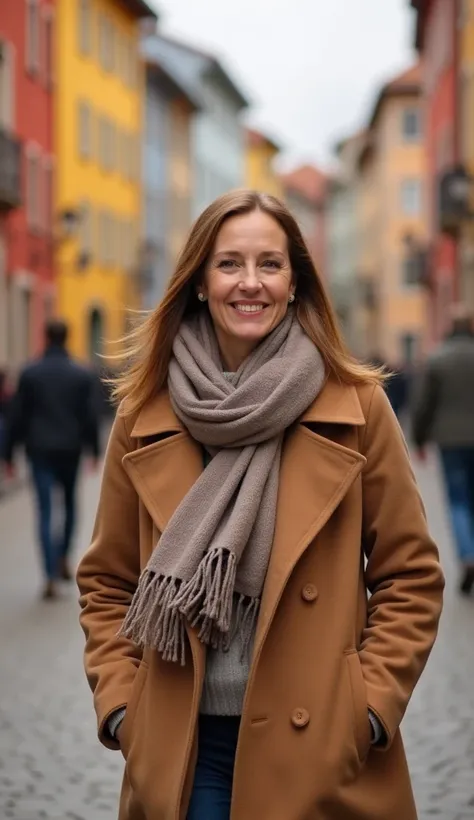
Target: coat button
[
  {"x": 309, "y": 593},
  {"x": 300, "y": 718}
]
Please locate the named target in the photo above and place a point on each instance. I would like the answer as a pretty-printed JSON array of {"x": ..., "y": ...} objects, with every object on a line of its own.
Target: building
[
  {"x": 305, "y": 192},
  {"x": 342, "y": 234},
  {"x": 218, "y": 137},
  {"x": 466, "y": 116},
  {"x": 393, "y": 224},
  {"x": 437, "y": 40},
  {"x": 261, "y": 174},
  {"x": 26, "y": 174},
  {"x": 100, "y": 91},
  {"x": 168, "y": 174}
]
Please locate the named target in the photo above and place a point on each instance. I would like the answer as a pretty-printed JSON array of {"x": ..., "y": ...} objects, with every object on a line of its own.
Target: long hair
[{"x": 147, "y": 348}]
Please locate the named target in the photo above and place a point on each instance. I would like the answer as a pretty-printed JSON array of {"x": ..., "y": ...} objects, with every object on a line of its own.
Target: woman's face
[{"x": 248, "y": 282}]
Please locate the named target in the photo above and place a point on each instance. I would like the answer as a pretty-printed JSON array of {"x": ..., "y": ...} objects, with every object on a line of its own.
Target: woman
[{"x": 233, "y": 653}]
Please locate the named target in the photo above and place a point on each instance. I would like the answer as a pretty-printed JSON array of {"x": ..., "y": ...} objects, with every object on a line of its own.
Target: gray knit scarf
[{"x": 216, "y": 547}]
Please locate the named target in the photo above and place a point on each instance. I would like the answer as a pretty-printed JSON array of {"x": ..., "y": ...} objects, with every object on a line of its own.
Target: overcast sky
[{"x": 310, "y": 67}]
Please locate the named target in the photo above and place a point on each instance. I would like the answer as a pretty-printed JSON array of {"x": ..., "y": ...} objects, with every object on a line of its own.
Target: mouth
[{"x": 249, "y": 308}]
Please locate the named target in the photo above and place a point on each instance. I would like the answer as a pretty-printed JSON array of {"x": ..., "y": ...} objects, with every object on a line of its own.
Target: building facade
[
  {"x": 167, "y": 175},
  {"x": 466, "y": 116},
  {"x": 27, "y": 167},
  {"x": 437, "y": 39},
  {"x": 261, "y": 174},
  {"x": 393, "y": 225},
  {"x": 342, "y": 235},
  {"x": 98, "y": 124},
  {"x": 218, "y": 136},
  {"x": 304, "y": 190}
]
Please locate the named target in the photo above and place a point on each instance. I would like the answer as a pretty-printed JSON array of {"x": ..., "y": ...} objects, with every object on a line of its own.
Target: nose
[{"x": 250, "y": 281}]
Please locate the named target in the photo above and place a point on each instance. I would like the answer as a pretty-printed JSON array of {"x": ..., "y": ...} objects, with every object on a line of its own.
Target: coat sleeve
[
  {"x": 107, "y": 578},
  {"x": 403, "y": 573}
]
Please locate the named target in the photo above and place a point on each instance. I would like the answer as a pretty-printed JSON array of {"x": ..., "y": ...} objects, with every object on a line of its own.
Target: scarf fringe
[{"x": 161, "y": 606}]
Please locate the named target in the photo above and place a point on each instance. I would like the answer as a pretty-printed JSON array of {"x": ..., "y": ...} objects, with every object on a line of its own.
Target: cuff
[
  {"x": 114, "y": 721},
  {"x": 376, "y": 726}
]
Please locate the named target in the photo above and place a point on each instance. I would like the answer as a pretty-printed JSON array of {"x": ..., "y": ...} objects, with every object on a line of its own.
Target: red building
[
  {"x": 437, "y": 42},
  {"x": 26, "y": 175}
]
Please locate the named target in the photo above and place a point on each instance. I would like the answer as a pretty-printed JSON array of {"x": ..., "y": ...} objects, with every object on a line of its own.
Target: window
[
  {"x": 48, "y": 47},
  {"x": 84, "y": 28},
  {"x": 411, "y": 125},
  {"x": 7, "y": 84},
  {"x": 86, "y": 234},
  {"x": 32, "y": 36},
  {"x": 33, "y": 187},
  {"x": 106, "y": 43},
  {"x": 85, "y": 130},
  {"x": 410, "y": 271},
  {"x": 48, "y": 194},
  {"x": 411, "y": 197},
  {"x": 112, "y": 146}
]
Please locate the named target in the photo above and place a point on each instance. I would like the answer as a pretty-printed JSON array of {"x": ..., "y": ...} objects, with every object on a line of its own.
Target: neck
[{"x": 233, "y": 353}]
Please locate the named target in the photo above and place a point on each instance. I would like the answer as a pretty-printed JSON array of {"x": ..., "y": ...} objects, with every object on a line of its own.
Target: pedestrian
[
  {"x": 397, "y": 389},
  {"x": 444, "y": 414},
  {"x": 234, "y": 656},
  {"x": 54, "y": 414}
]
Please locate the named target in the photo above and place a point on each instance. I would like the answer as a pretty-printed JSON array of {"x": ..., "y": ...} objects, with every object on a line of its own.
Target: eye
[
  {"x": 271, "y": 263},
  {"x": 227, "y": 264}
]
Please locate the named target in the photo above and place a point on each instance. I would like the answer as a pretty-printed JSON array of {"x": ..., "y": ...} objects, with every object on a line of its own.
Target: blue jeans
[
  {"x": 47, "y": 474},
  {"x": 458, "y": 468},
  {"x": 212, "y": 790}
]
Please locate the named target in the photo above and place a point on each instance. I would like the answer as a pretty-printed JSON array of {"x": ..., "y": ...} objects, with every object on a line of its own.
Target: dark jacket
[
  {"x": 444, "y": 399},
  {"x": 55, "y": 411}
]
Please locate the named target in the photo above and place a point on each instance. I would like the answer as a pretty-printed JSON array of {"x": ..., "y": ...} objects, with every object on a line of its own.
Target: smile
[{"x": 243, "y": 307}]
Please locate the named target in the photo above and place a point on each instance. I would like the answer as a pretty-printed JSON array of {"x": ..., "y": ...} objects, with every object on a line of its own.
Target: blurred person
[
  {"x": 54, "y": 414},
  {"x": 234, "y": 655},
  {"x": 4, "y": 402},
  {"x": 444, "y": 414},
  {"x": 397, "y": 388}
]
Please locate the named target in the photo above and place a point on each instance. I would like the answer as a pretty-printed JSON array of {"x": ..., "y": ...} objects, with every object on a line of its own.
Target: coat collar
[{"x": 337, "y": 403}]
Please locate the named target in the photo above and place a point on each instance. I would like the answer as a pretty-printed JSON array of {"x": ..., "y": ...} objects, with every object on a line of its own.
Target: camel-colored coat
[{"x": 324, "y": 650}]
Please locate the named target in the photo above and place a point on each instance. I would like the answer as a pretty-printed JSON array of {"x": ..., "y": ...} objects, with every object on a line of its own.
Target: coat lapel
[
  {"x": 315, "y": 475},
  {"x": 164, "y": 470}
]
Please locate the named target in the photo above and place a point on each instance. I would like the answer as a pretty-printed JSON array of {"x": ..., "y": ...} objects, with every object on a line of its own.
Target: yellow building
[
  {"x": 466, "y": 88},
  {"x": 99, "y": 112},
  {"x": 260, "y": 168},
  {"x": 392, "y": 213}
]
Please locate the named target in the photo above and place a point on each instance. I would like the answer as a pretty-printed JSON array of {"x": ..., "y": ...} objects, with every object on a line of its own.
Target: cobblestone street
[{"x": 51, "y": 765}]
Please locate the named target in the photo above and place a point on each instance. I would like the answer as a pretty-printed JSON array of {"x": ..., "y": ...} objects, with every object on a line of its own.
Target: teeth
[{"x": 249, "y": 308}]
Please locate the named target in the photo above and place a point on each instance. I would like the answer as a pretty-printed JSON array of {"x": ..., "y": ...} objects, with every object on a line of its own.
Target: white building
[
  {"x": 342, "y": 236},
  {"x": 218, "y": 132}
]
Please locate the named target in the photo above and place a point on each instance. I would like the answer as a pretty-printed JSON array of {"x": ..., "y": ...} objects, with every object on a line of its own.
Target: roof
[
  {"x": 256, "y": 138},
  {"x": 214, "y": 65},
  {"x": 139, "y": 8},
  {"x": 308, "y": 181},
  {"x": 352, "y": 138},
  {"x": 409, "y": 82},
  {"x": 421, "y": 7},
  {"x": 162, "y": 71}
]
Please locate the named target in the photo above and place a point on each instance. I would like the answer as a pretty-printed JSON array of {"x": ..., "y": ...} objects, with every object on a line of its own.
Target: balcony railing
[{"x": 10, "y": 171}]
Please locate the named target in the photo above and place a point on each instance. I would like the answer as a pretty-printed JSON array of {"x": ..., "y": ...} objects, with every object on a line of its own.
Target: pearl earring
[
  {"x": 291, "y": 299},
  {"x": 201, "y": 297}
]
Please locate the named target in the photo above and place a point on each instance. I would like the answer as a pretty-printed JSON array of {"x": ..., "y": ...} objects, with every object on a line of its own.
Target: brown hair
[{"x": 148, "y": 347}]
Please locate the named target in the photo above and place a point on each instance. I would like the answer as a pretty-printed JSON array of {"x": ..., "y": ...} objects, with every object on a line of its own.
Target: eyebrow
[{"x": 239, "y": 253}]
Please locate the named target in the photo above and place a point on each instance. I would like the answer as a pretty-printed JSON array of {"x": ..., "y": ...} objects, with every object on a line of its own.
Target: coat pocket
[
  {"x": 126, "y": 733},
  {"x": 360, "y": 711}
]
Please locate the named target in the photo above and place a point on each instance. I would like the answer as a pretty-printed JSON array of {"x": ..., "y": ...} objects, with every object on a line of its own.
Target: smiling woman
[{"x": 251, "y": 497}]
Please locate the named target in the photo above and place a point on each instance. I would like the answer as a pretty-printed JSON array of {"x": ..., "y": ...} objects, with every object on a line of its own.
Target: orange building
[{"x": 392, "y": 213}]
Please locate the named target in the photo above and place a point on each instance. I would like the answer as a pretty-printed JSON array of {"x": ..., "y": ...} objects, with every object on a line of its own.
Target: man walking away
[
  {"x": 444, "y": 414},
  {"x": 55, "y": 414}
]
